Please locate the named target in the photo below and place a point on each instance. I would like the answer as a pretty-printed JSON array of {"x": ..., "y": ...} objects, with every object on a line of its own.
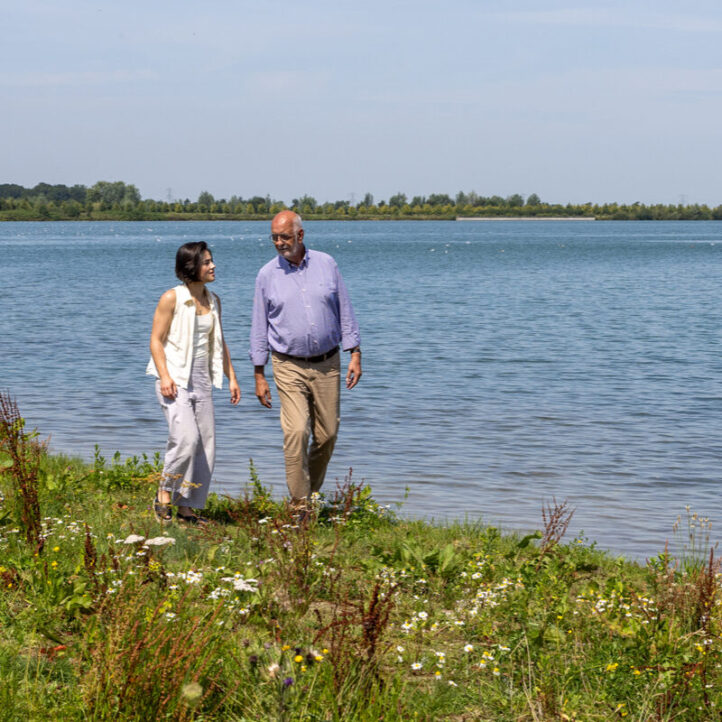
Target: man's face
[{"x": 289, "y": 243}]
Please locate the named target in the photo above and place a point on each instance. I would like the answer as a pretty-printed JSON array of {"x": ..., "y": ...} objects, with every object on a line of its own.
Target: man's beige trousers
[{"x": 310, "y": 405}]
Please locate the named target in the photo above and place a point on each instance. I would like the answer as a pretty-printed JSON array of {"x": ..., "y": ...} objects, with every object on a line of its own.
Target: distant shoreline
[{"x": 526, "y": 218}]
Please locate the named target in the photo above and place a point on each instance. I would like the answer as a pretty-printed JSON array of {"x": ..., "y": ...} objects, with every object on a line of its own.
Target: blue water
[{"x": 505, "y": 363}]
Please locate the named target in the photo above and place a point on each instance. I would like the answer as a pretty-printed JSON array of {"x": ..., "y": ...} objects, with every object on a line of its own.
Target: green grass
[{"x": 353, "y": 615}]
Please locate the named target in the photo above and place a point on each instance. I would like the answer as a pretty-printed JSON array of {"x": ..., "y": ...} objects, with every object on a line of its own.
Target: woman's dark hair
[{"x": 188, "y": 261}]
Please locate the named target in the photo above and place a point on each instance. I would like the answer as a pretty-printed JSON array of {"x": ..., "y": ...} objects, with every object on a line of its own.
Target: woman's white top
[
  {"x": 201, "y": 335},
  {"x": 179, "y": 343}
]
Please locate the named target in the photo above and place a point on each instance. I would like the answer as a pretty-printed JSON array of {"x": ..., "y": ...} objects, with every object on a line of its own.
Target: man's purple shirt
[{"x": 302, "y": 310}]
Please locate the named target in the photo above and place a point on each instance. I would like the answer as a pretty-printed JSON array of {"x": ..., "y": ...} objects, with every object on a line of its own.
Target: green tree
[
  {"x": 439, "y": 199},
  {"x": 107, "y": 194},
  {"x": 206, "y": 200}
]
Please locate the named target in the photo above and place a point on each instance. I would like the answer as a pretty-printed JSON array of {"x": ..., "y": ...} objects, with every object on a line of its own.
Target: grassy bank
[{"x": 350, "y": 614}]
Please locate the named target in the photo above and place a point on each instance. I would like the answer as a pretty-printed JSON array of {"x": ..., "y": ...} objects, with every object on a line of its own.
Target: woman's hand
[
  {"x": 235, "y": 391},
  {"x": 168, "y": 387}
]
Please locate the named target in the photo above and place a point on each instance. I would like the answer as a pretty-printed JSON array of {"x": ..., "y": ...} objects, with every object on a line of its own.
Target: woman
[{"x": 188, "y": 357}]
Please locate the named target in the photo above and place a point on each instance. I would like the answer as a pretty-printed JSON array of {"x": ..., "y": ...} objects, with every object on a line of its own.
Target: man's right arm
[
  {"x": 263, "y": 392},
  {"x": 259, "y": 344}
]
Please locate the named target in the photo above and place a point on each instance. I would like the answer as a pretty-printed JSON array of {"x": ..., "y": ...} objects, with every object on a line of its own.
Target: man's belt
[{"x": 309, "y": 359}]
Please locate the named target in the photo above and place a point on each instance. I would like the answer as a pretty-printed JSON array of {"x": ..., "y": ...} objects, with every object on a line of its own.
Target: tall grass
[{"x": 348, "y": 613}]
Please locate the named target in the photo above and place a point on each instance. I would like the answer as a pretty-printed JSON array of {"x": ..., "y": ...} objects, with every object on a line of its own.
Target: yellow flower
[
  {"x": 298, "y": 658},
  {"x": 324, "y": 651},
  {"x": 612, "y": 666},
  {"x": 303, "y": 668},
  {"x": 319, "y": 658},
  {"x": 56, "y": 549},
  {"x": 53, "y": 564},
  {"x": 285, "y": 647}
]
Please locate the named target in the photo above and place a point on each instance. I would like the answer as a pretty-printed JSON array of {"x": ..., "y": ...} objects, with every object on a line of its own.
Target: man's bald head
[{"x": 286, "y": 216}]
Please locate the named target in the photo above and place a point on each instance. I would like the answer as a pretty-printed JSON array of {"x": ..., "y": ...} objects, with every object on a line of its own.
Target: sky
[{"x": 612, "y": 100}]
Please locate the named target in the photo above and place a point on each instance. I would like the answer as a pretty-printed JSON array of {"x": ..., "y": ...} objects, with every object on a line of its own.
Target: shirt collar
[{"x": 283, "y": 263}]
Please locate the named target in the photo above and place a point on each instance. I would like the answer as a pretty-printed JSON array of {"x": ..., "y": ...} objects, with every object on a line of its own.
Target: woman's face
[{"x": 207, "y": 271}]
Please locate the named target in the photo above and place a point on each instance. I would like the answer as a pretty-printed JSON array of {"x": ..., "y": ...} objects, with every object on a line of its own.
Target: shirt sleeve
[
  {"x": 350, "y": 334},
  {"x": 259, "y": 326}
]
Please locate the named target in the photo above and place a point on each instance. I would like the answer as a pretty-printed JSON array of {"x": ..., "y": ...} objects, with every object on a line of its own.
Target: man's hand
[
  {"x": 353, "y": 374},
  {"x": 235, "y": 391},
  {"x": 263, "y": 393}
]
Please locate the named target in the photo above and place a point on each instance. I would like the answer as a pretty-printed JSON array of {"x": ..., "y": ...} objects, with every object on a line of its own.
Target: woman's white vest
[{"x": 178, "y": 345}]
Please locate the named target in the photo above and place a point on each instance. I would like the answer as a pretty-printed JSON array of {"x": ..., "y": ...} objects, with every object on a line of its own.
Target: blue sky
[{"x": 580, "y": 101}]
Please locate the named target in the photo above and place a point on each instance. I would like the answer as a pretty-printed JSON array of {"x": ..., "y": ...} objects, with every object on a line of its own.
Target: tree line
[{"x": 120, "y": 201}]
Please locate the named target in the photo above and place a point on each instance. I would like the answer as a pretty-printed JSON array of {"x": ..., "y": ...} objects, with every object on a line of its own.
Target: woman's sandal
[
  {"x": 162, "y": 512},
  {"x": 193, "y": 519}
]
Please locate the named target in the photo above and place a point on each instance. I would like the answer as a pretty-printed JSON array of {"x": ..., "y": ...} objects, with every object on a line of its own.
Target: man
[{"x": 302, "y": 312}]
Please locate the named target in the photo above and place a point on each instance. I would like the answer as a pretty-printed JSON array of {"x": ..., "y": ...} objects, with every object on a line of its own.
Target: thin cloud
[
  {"x": 613, "y": 17},
  {"x": 75, "y": 79}
]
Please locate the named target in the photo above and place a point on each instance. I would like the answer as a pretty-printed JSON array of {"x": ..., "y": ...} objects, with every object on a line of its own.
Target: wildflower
[
  {"x": 451, "y": 683},
  {"x": 159, "y": 541},
  {"x": 285, "y": 647},
  {"x": 437, "y": 674},
  {"x": 496, "y": 672},
  {"x": 170, "y": 615},
  {"x": 468, "y": 647},
  {"x": 288, "y": 681},
  {"x": 298, "y": 658},
  {"x": 133, "y": 539},
  {"x": 273, "y": 670},
  {"x": 265, "y": 520},
  {"x": 422, "y": 615},
  {"x": 612, "y": 666},
  {"x": 56, "y": 549},
  {"x": 192, "y": 692},
  {"x": 400, "y": 649},
  {"x": 54, "y": 564},
  {"x": 416, "y": 665},
  {"x": 245, "y": 585}
]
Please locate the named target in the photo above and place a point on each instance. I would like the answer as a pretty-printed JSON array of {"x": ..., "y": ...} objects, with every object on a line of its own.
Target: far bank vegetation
[{"x": 121, "y": 201}]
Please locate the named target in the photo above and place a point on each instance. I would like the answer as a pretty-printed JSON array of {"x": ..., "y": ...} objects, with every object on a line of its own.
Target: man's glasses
[{"x": 285, "y": 237}]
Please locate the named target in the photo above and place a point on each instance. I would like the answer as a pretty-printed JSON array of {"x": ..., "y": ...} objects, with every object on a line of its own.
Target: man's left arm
[{"x": 350, "y": 335}]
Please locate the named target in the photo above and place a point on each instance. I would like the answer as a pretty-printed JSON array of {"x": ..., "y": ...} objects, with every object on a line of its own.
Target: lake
[{"x": 505, "y": 363}]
